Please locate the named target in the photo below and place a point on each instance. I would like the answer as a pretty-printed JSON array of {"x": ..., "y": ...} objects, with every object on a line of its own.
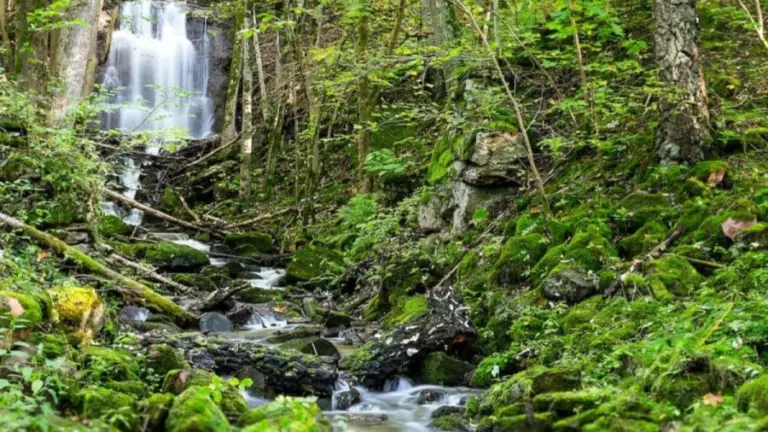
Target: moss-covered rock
[
  {"x": 112, "y": 363},
  {"x": 711, "y": 172},
  {"x": 167, "y": 256},
  {"x": 405, "y": 310},
  {"x": 517, "y": 423},
  {"x": 162, "y": 359},
  {"x": 754, "y": 237},
  {"x": 23, "y": 309},
  {"x": 78, "y": 311},
  {"x": 752, "y": 397},
  {"x": 527, "y": 384},
  {"x": 518, "y": 256},
  {"x": 676, "y": 273},
  {"x": 490, "y": 369},
  {"x": 451, "y": 423},
  {"x": 134, "y": 388},
  {"x": 643, "y": 240},
  {"x": 96, "y": 402},
  {"x": 195, "y": 411},
  {"x": 196, "y": 281},
  {"x": 288, "y": 414},
  {"x": 250, "y": 243},
  {"x": 569, "y": 283},
  {"x": 569, "y": 403},
  {"x": 438, "y": 368},
  {"x": 154, "y": 410},
  {"x": 232, "y": 403},
  {"x": 641, "y": 207},
  {"x": 112, "y": 226},
  {"x": 313, "y": 261},
  {"x": 314, "y": 346},
  {"x": 257, "y": 295}
]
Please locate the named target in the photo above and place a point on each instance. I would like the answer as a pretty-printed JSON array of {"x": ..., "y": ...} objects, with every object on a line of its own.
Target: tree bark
[
  {"x": 684, "y": 129},
  {"x": 75, "y": 53},
  {"x": 229, "y": 129},
  {"x": 131, "y": 290},
  {"x": 247, "y": 147},
  {"x": 31, "y": 56},
  {"x": 4, "y": 32},
  {"x": 260, "y": 73}
]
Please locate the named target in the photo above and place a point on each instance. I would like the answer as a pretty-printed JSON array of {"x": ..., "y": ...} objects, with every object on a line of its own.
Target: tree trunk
[
  {"x": 4, "y": 32},
  {"x": 364, "y": 106},
  {"x": 684, "y": 129},
  {"x": 247, "y": 148},
  {"x": 260, "y": 73},
  {"x": 229, "y": 129},
  {"x": 31, "y": 55},
  {"x": 75, "y": 54}
]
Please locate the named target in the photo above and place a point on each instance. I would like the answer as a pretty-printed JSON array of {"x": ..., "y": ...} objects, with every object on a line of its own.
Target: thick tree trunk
[
  {"x": 31, "y": 56},
  {"x": 75, "y": 55},
  {"x": 684, "y": 129}
]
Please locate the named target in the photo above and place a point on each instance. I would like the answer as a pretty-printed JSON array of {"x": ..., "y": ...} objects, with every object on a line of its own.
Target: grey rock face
[{"x": 215, "y": 322}]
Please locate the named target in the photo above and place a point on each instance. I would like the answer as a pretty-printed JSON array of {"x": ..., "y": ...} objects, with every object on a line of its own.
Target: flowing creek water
[{"x": 152, "y": 56}]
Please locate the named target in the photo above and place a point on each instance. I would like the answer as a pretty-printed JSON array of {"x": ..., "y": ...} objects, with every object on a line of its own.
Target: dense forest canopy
[{"x": 383, "y": 215}]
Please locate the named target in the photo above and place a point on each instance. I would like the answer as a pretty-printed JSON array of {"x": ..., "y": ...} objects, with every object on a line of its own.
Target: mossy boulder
[
  {"x": 154, "y": 410},
  {"x": 484, "y": 374},
  {"x": 291, "y": 414},
  {"x": 569, "y": 283},
  {"x": 168, "y": 256},
  {"x": 79, "y": 311},
  {"x": 196, "y": 281},
  {"x": 451, "y": 423},
  {"x": 314, "y": 346},
  {"x": 132, "y": 387},
  {"x": 527, "y": 384},
  {"x": 438, "y": 368},
  {"x": 405, "y": 310},
  {"x": 640, "y": 207},
  {"x": 712, "y": 172},
  {"x": 312, "y": 261},
  {"x": 570, "y": 402},
  {"x": 250, "y": 243},
  {"x": 256, "y": 295},
  {"x": 588, "y": 250},
  {"x": 518, "y": 256},
  {"x": 232, "y": 403},
  {"x": 112, "y": 226},
  {"x": 22, "y": 308},
  {"x": 676, "y": 273},
  {"x": 643, "y": 240},
  {"x": 95, "y": 402},
  {"x": 752, "y": 397},
  {"x": 194, "y": 410},
  {"x": 112, "y": 363},
  {"x": 162, "y": 359}
]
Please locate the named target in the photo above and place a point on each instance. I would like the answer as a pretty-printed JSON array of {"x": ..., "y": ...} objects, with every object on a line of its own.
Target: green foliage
[{"x": 287, "y": 414}]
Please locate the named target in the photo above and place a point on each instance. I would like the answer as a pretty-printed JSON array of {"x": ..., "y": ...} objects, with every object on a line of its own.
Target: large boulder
[
  {"x": 194, "y": 410},
  {"x": 162, "y": 359},
  {"x": 112, "y": 363},
  {"x": 287, "y": 372},
  {"x": 250, "y": 243},
  {"x": 214, "y": 322},
  {"x": 496, "y": 160},
  {"x": 95, "y": 402},
  {"x": 167, "y": 256},
  {"x": 232, "y": 403},
  {"x": 439, "y": 368},
  {"x": 313, "y": 261},
  {"x": 112, "y": 226},
  {"x": 79, "y": 311}
]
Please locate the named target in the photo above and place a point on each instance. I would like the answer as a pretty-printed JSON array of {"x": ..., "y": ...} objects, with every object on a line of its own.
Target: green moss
[
  {"x": 112, "y": 363},
  {"x": 755, "y": 237},
  {"x": 483, "y": 375},
  {"x": 451, "y": 423},
  {"x": 676, "y": 273},
  {"x": 703, "y": 170},
  {"x": 355, "y": 362},
  {"x": 162, "y": 359},
  {"x": 23, "y": 308},
  {"x": 195, "y": 410},
  {"x": 311, "y": 262},
  {"x": 643, "y": 240},
  {"x": 287, "y": 414},
  {"x": 581, "y": 314},
  {"x": 200, "y": 282},
  {"x": 96, "y": 402},
  {"x": 752, "y": 397},
  {"x": 528, "y": 223},
  {"x": 133, "y": 387},
  {"x": 569, "y": 403},
  {"x": 570, "y": 283},
  {"x": 166, "y": 256},
  {"x": 518, "y": 423},
  {"x": 639, "y": 208},
  {"x": 405, "y": 311},
  {"x": 250, "y": 243},
  {"x": 79, "y": 311},
  {"x": 518, "y": 256},
  {"x": 231, "y": 404},
  {"x": 439, "y": 368},
  {"x": 693, "y": 188},
  {"x": 549, "y": 261},
  {"x": 527, "y": 384},
  {"x": 257, "y": 295},
  {"x": 111, "y": 226},
  {"x": 155, "y": 410}
]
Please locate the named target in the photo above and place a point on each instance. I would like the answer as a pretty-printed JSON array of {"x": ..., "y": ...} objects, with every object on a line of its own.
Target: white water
[
  {"x": 268, "y": 278},
  {"x": 183, "y": 239},
  {"x": 159, "y": 78}
]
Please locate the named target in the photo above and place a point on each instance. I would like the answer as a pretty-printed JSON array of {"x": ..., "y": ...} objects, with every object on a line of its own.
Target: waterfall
[{"x": 159, "y": 79}]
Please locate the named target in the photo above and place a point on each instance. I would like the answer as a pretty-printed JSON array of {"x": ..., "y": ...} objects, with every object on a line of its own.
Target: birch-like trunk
[
  {"x": 247, "y": 148},
  {"x": 684, "y": 128},
  {"x": 229, "y": 129}
]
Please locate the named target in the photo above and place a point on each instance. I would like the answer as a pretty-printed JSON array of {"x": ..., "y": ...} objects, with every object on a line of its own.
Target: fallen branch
[
  {"x": 218, "y": 297},
  {"x": 204, "y": 158},
  {"x": 131, "y": 290},
  {"x": 704, "y": 263},
  {"x": 258, "y": 219},
  {"x": 655, "y": 252},
  {"x": 149, "y": 273},
  {"x": 160, "y": 215},
  {"x": 189, "y": 210}
]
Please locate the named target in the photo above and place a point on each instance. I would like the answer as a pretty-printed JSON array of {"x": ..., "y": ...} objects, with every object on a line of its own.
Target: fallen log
[
  {"x": 131, "y": 290},
  {"x": 160, "y": 215},
  {"x": 148, "y": 272},
  {"x": 218, "y": 297},
  {"x": 258, "y": 219},
  {"x": 205, "y": 157},
  {"x": 655, "y": 252}
]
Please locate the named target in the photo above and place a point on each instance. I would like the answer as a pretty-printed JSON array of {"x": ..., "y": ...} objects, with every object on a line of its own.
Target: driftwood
[
  {"x": 189, "y": 210},
  {"x": 655, "y": 252},
  {"x": 131, "y": 290},
  {"x": 218, "y": 297},
  {"x": 151, "y": 273},
  {"x": 258, "y": 219},
  {"x": 160, "y": 215}
]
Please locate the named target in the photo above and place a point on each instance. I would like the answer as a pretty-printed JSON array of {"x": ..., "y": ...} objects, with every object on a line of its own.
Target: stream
[{"x": 150, "y": 56}]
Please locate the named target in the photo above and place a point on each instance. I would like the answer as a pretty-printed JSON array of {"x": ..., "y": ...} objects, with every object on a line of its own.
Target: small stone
[
  {"x": 215, "y": 322},
  {"x": 367, "y": 418},
  {"x": 429, "y": 396},
  {"x": 447, "y": 410},
  {"x": 346, "y": 399},
  {"x": 134, "y": 313}
]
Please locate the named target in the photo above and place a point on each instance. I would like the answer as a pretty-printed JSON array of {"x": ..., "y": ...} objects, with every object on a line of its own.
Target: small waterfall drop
[{"x": 160, "y": 80}]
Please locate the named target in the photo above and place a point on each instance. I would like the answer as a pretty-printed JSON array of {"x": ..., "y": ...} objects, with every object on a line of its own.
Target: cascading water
[{"x": 158, "y": 81}]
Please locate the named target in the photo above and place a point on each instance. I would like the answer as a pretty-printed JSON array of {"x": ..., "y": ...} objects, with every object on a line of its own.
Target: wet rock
[
  {"x": 447, "y": 410},
  {"x": 451, "y": 423},
  {"x": 257, "y": 295},
  {"x": 439, "y": 368},
  {"x": 569, "y": 283},
  {"x": 240, "y": 314},
  {"x": 250, "y": 243},
  {"x": 444, "y": 327},
  {"x": 347, "y": 398},
  {"x": 429, "y": 396},
  {"x": 134, "y": 313},
  {"x": 287, "y": 372},
  {"x": 166, "y": 256},
  {"x": 337, "y": 319},
  {"x": 195, "y": 410},
  {"x": 366, "y": 418},
  {"x": 156, "y": 410},
  {"x": 314, "y": 346},
  {"x": 312, "y": 261},
  {"x": 77, "y": 237},
  {"x": 260, "y": 386},
  {"x": 113, "y": 226},
  {"x": 214, "y": 322},
  {"x": 297, "y": 333}
]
